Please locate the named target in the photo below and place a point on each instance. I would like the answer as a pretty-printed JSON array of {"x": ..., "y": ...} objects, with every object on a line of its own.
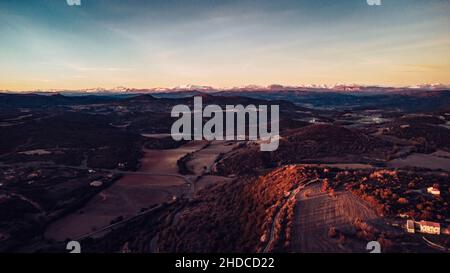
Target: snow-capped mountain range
[{"x": 273, "y": 87}]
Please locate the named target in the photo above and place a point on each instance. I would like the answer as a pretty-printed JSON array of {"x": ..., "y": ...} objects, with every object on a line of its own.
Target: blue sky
[{"x": 47, "y": 44}]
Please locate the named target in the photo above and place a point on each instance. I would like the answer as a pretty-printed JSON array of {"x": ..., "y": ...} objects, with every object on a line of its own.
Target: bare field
[
  {"x": 107, "y": 206},
  {"x": 165, "y": 161},
  {"x": 316, "y": 212},
  {"x": 203, "y": 159},
  {"x": 434, "y": 161},
  {"x": 130, "y": 194}
]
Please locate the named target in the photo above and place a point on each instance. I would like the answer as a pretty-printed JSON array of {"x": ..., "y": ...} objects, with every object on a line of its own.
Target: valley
[{"x": 108, "y": 173}]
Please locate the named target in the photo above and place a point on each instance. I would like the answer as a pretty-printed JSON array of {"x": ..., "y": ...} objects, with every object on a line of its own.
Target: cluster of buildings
[{"x": 427, "y": 227}]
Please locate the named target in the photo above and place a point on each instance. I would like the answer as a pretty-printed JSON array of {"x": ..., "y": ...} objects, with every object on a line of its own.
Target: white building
[
  {"x": 433, "y": 191},
  {"x": 430, "y": 227},
  {"x": 410, "y": 226}
]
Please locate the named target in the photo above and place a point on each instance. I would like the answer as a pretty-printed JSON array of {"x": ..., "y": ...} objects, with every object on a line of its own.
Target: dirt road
[{"x": 276, "y": 218}]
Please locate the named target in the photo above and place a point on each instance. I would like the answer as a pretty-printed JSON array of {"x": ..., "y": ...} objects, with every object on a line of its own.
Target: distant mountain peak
[{"x": 340, "y": 87}]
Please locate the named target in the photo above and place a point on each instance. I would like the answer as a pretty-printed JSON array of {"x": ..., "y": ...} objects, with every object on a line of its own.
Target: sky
[{"x": 47, "y": 44}]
